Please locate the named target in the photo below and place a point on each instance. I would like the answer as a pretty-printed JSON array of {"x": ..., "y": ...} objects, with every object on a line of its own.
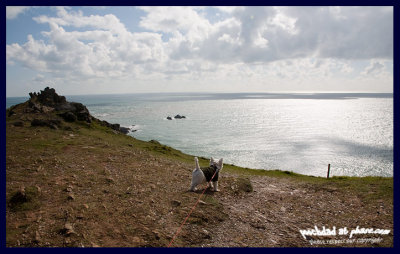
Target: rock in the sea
[
  {"x": 169, "y": 118},
  {"x": 179, "y": 117}
]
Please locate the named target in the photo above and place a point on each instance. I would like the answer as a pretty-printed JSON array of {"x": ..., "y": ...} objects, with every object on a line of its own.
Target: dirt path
[{"x": 275, "y": 212}]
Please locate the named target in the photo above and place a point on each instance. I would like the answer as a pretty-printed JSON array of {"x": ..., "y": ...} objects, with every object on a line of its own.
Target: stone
[
  {"x": 156, "y": 234},
  {"x": 206, "y": 234},
  {"x": 179, "y": 117},
  {"x": 18, "y": 124},
  {"x": 68, "y": 128},
  {"x": 11, "y": 113},
  {"x": 169, "y": 118},
  {"x": 48, "y": 97},
  {"x": 136, "y": 241},
  {"x": 68, "y": 229},
  {"x": 71, "y": 197},
  {"x": 176, "y": 203},
  {"x": 52, "y": 123},
  {"x": 19, "y": 197},
  {"x": 115, "y": 126},
  {"x": 69, "y": 188},
  {"x": 69, "y": 116},
  {"x": 95, "y": 245},
  {"x": 124, "y": 130},
  {"x": 37, "y": 237}
]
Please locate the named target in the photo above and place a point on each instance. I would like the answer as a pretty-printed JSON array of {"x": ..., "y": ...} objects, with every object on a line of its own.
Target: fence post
[{"x": 329, "y": 170}]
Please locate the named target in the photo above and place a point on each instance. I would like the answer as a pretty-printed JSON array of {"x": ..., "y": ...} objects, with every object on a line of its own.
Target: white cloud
[
  {"x": 279, "y": 44},
  {"x": 39, "y": 78},
  {"x": 375, "y": 67},
  {"x": 12, "y": 12},
  {"x": 106, "y": 49},
  {"x": 229, "y": 9},
  {"x": 265, "y": 34}
]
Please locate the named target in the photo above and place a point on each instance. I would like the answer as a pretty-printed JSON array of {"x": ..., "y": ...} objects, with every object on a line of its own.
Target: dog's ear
[
  {"x": 220, "y": 162},
  {"x": 211, "y": 160}
]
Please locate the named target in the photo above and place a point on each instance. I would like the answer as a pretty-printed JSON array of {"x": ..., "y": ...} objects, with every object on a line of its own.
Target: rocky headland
[{"x": 47, "y": 108}]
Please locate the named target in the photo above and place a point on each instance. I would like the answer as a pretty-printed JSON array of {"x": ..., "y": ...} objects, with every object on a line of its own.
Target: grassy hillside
[{"x": 85, "y": 184}]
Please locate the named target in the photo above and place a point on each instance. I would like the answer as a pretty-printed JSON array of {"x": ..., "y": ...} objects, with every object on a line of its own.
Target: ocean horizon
[{"x": 299, "y": 132}]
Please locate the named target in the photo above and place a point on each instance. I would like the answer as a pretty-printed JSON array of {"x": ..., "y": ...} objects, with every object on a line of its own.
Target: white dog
[{"x": 202, "y": 175}]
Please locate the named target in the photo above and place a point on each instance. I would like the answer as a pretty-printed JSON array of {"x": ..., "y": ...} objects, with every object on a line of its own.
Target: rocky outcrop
[
  {"x": 69, "y": 116},
  {"x": 48, "y": 97},
  {"x": 48, "y": 103},
  {"x": 176, "y": 117},
  {"x": 124, "y": 130},
  {"x": 115, "y": 126},
  {"x": 179, "y": 117}
]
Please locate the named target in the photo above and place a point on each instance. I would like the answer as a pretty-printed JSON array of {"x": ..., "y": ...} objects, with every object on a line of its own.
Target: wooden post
[{"x": 329, "y": 170}]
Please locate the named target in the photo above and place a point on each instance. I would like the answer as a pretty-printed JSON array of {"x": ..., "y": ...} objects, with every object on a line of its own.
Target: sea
[{"x": 299, "y": 132}]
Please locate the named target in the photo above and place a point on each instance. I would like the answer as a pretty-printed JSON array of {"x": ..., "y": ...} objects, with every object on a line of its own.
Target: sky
[{"x": 106, "y": 50}]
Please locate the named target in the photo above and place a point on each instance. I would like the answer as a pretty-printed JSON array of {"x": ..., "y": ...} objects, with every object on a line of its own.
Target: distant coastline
[{"x": 13, "y": 100}]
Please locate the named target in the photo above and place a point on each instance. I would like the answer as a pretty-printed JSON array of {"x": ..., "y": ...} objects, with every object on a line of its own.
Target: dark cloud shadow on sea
[{"x": 346, "y": 147}]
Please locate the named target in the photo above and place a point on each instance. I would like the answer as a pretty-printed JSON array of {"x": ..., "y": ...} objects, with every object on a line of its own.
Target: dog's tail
[{"x": 196, "y": 161}]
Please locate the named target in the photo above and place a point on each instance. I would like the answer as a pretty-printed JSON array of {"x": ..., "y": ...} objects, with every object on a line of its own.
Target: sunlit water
[{"x": 300, "y": 133}]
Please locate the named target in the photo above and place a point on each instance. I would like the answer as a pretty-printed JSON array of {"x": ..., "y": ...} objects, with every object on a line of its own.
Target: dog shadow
[{"x": 208, "y": 191}]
